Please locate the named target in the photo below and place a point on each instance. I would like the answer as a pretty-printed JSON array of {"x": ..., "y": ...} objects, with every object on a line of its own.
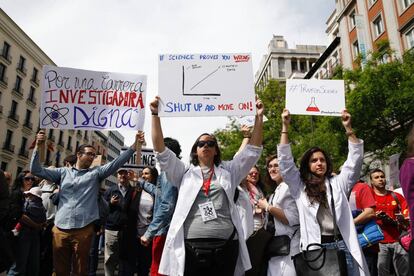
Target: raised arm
[
  {"x": 35, "y": 166},
  {"x": 139, "y": 141},
  {"x": 288, "y": 169},
  {"x": 352, "y": 167},
  {"x": 257, "y": 133},
  {"x": 156, "y": 131}
]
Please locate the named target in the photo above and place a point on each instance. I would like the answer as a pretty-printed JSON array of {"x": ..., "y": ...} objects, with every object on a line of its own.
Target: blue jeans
[
  {"x": 27, "y": 253},
  {"x": 352, "y": 265}
]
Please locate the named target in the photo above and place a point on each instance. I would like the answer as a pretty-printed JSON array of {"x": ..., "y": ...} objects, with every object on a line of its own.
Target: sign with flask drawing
[
  {"x": 315, "y": 97},
  {"x": 206, "y": 85}
]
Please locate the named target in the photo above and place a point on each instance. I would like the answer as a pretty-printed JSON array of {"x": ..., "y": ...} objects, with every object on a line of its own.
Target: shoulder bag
[
  {"x": 405, "y": 233},
  {"x": 317, "y": 260}
]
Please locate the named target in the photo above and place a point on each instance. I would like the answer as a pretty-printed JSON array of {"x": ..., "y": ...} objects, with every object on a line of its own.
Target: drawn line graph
[{"x": 198, "y": 83}]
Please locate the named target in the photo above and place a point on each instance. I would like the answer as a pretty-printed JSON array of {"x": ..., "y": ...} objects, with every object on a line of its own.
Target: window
[
  {"x": 2, "y": 72},
  {"x": 7, "y": 142},
  {"x": 34, "y": 75},
  {"x": 352, "y": 22},
  {"x": 69, "y": 147},
  {"x": 18, "y": 84},
  {"x": 281, "y": 67},
  {"x": 27, "y": 118},
  {"x": 355, "y": 49},
  {"x": 6, "y": 50},
  {"x": 51, "y": 137},
  {"x": 406, "y": 3},
  {"x": 32, "y": 93},
  {"x": 378, "y": 26},
  {"x": 4, "y": 166},
  {"x": 410, "y": 38},
  {"x": 21, "y": 63},
  {"x": 23, "y": 147},
  {"x": 372, "y": 2},
  {"x": 13, "y": 109}
]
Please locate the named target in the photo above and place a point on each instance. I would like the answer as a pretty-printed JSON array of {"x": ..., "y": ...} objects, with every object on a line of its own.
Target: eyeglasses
[
  {"x": 29, "y": 178},
  {"x": 209, "y": 143},
  {"x": 90, "y": 154},
  {"x": 276, "y": 166}
]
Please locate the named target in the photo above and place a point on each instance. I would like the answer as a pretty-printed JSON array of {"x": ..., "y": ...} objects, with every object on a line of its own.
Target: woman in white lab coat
[
  {"x": 281, "y": 208},
  {"x": 310, "y": 187},
  {"x": 206, "y": 235}
]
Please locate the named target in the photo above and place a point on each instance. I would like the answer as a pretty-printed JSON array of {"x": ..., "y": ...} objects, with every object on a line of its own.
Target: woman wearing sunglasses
[{"x": 205, "y": 235}]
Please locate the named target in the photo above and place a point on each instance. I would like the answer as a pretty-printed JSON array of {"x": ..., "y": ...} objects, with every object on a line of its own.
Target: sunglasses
[
  {"x": 209, "y": 143},
  {"x": 29, "y": 178}
]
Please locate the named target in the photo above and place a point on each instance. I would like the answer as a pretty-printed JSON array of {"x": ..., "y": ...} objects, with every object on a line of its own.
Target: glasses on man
[
  {"x": 29, "y": 178},
  {"x": 90, "y": 154},
  {"x": 209, "y": 143}
]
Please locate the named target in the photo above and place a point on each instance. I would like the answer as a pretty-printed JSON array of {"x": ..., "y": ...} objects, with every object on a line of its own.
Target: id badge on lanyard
[{"x": 207, "y": 210}]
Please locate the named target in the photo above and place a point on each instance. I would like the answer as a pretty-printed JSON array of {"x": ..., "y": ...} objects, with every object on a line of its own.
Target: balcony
[
  {"x": 14, "y": 117},
  {"x": 23, "y": 70},
  {"x": 6, "y": 58},
  {"x": 8, "y": 147},
  {"x": 31, "y": 102},
  {"x": 28, "y": 125},
  {"x": 4, "y": 82},
  {"x": 18, "y": 92},
  {"x": 1, "y": 109},
  {"x": 24, "y": 153},
  {"x": 34, "y": 81}
]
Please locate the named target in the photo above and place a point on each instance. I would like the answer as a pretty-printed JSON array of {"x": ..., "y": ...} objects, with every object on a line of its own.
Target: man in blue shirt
[{"x": 78, "y": 204}]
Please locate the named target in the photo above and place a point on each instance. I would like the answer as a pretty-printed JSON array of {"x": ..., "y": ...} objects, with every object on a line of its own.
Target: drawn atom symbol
[{"x": 55, "y": 116}]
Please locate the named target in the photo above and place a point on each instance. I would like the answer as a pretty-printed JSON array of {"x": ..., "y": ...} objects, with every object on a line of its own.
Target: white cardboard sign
[
  {"x": 81, "y": 99},
  {"x": 315, "y": 97},
  {"x": 206, "y": 85}
]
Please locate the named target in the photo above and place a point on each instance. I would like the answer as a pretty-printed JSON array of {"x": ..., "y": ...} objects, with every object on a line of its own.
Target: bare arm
[
  {"x": 346, "y": 122},
  {"x": 139, "y": 141},
  {"x": 365, "y": 216},
  {"x": 284, "y": 138},
  {"x": 278, "y": 213},
  {"x": 257, "y": 133},
  {"x": 156, "y": 132},
  {"x": 245, "y": 130}
]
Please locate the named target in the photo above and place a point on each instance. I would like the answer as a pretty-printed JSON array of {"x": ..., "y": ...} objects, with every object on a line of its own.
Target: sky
[{"x": 126, "y": 36}]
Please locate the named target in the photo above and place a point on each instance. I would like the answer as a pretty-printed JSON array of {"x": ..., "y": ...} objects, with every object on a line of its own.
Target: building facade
[
  {"x": 281, "y": 62},
  {"x": 21, "y": 62},
  {"x": 115, "y": 144},
  {"x": 361, "y": 25}
]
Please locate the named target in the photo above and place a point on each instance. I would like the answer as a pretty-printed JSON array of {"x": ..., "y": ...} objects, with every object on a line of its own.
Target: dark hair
[
  {"x": 71, "y": 159},
  {"x": 410, "y": 143},
  {"x": 259, "y": 181},
  {"x": 173, "y": 145},
  {"x": 315, "y": 186},
  {"x": 81, "y": 148},
  {"x": 193, "y": 154},
  {"x": 375, "y": 171},
  {"x": 268, "y": 180},
  {"x": 154, "y": 173},
  {"x": 18, "y": 182}
]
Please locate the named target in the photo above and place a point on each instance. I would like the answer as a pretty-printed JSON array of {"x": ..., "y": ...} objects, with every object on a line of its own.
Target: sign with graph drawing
[
  {"x": 315, "y": 97},
  {"x": 206, "y": 85},
  {"x": 82, "y": 99}
]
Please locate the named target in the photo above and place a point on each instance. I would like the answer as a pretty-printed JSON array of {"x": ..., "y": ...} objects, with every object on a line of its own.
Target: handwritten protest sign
[
  {"x": 206, "y": 85},
  {"x": 80, "y": 99},
  {"x": 315, "y": 97},
  {"x": 147, "y": 160}
]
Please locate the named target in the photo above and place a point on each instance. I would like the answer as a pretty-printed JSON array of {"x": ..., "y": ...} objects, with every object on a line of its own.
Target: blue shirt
[
  {"x": 78, "y": 195},
  {"x": 165, "y": 195}
]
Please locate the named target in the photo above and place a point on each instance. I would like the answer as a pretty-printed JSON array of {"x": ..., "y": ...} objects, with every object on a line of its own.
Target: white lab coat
[
  {"x": 341, "y": 186},
  {"x": 189, "y": 182},
  {"x": 283, "y": 265}
]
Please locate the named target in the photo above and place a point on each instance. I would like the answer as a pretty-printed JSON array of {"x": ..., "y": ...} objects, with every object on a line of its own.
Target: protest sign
[
  {"x": 315, "y": 97},
  {"x": 147, "y": 159},
  {"x": 81, "y": 99},
  {"x": 247, "y": 120},
  {"x": 206, "y": 85}
]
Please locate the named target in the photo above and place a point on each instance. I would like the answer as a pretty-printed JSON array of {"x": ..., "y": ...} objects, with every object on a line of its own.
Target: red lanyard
[{"x": 207, "y": 182}]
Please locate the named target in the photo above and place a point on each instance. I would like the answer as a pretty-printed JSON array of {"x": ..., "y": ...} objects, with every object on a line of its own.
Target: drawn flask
[{"x": 312, "y": 106}]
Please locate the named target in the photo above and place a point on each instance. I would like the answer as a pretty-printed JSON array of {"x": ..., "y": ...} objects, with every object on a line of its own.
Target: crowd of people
[{"x": 208, "y": 217}]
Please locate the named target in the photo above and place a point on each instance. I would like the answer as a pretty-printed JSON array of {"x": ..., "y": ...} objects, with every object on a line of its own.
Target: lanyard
[{"x": 207, "y": 182}]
